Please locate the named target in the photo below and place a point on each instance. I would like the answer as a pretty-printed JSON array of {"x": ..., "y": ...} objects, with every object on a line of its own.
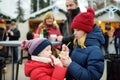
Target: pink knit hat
[
  {"x": 84, "y": 20},
  {"x": 35, "y": 46}
]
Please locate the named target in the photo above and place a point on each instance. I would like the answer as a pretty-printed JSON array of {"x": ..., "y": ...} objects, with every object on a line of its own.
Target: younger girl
[{"x": 42, "y": 66}]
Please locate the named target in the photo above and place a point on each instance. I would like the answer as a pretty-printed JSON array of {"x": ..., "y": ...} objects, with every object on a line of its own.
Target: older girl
[{"x": 86, "y": 61}]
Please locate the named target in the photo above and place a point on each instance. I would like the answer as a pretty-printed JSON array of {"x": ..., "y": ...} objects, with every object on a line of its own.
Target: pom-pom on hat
[
  {"x": 35, "y": 46},
  {"x": 84, "y": 20}
]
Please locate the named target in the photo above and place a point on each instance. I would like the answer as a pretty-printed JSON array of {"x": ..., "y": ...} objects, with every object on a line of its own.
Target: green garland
[{"x": 4, "y": 16}]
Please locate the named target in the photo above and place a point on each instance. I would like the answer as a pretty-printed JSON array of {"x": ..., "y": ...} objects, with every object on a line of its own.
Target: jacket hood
[{"x": 95, "y": 37}]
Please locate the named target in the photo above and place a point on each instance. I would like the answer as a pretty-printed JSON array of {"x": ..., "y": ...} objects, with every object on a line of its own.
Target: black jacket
[
  {"x": 70, "y": 37},
  {"x": 70, "y": 18},
  {"x": 16, "y": 35}
]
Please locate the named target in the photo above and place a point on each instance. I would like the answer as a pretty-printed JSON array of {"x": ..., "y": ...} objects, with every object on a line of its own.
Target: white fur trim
[{"x": 41, "y": 59}]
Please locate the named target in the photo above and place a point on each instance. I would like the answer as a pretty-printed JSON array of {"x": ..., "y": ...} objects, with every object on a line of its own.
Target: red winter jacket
[
  {"x": 43, "y": 71},
  {"x": 51, "y": 29}
]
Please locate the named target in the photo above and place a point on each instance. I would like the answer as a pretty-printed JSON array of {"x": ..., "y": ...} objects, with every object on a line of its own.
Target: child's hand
[
  {"x": 59, "y": 38},
  {"x": 66, "y": 61},
  {"x": 58, "y": 62}
]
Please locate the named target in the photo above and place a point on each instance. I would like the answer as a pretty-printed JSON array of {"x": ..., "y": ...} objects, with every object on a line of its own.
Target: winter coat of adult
[
  {"x": 70, "y": 17},
  {"x": 48, "y": 29},
  {"x": 67, "y": 31},
  {"x": 16, "y": 35},
  {"x": 117, "y": 40},
  {"x": 88, "y": 63}
]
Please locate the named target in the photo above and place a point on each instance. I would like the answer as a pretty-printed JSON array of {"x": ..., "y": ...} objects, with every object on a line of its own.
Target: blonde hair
[
  {"x": 81, "y": 41},
  {"x": 47, "y": 16}
]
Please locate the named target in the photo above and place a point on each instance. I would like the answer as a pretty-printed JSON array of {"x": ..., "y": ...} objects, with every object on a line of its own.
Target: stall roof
[
  {"x": 39, "y": 14},
  {"x": 110, "y": 13}
]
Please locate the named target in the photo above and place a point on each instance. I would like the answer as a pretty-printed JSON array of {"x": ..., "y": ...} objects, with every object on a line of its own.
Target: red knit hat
[{"x": 84, "y": 20}]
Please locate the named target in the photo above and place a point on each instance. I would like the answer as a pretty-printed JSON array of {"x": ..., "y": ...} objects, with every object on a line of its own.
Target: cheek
[
  {"x": 47, "y": 21},
  {"x": 50, "y": 20},
  {"x": 73, "y": 7},
  {"x": 47, "y": 55},
  {"x": 78, "y": 35}
]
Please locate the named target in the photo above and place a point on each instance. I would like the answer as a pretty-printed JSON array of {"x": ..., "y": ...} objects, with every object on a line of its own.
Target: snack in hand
[{"x": 63, "y": 53}]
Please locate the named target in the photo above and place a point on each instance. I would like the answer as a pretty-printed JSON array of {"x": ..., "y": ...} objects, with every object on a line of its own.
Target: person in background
[
  {"x": 29, "y": 35},
  {"x": 2, "y": 30},
  {"x": 62, "y": 26},
  {"x": 48, "y": 27},
  {"x": 117, "y": 40},
  {"x": 72, "y": 11},
  {"x": 111, "y": 41},
  {"x": 106, "y": 36},
  {"x": 14, "y": 34},
  {"x": 105, "y": 46},
  {"x": 3, "y": 37},
  {"x": 2, "y": 50},
  {"x": 109, "y": 46},
  {"x": 43, "y": 65},
  {"x": 87, "y": 59}
]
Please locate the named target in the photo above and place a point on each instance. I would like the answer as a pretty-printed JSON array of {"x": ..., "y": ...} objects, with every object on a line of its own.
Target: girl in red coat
[{"x": 42, "y": 66}]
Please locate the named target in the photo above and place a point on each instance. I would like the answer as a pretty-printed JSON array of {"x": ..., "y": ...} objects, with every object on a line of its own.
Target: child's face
[
  {"x": 46, "y": 52},
  {"x": 78, "y": 33}
]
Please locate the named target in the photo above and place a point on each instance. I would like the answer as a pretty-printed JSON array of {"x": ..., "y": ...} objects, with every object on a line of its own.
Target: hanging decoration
[
  {"x": 111, "y": 11},
  {"x": 55, "y": 10}
]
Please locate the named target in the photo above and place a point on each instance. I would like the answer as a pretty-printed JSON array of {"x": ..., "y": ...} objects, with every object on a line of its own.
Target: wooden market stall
[{"x": 108, "y": 17}]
